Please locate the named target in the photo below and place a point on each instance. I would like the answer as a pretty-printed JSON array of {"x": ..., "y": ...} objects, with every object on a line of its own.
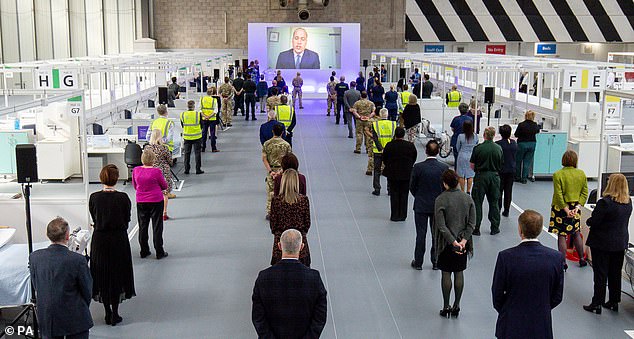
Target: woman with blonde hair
[
  {"x": 570, "y": 191},
  {"x": 525, "y": 134},
  {"x": 149, "y": 183},
  {"x": 164, "y": 162},
  {"x": 290, "y": 209},
  {"x": 608, "y": 240},
  {"x": 411, "y": 118}
]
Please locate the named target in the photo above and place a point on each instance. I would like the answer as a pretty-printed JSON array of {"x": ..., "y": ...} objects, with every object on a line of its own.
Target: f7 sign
[{"x": 56, "y": 79}]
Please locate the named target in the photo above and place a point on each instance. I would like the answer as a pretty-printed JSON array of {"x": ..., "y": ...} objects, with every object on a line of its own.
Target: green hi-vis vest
[
  {"x": 284, "y": 114},
  {"x": 454, "y": 99},
  {"x": 207, "y": 104},
  {"x": 405, "y": 97},
  {"x": 191, "y": 125},
  {"x": 385, "y": 131},
  {"x": 162, "y": 124}
]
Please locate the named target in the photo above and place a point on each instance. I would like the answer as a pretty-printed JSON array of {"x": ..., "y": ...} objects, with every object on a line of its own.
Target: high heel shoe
[
  {"x": 583, "y": 263},
  {"x": 115, "y": 319},
  {"x": 593, "y": 308},
  {"x": 565, "y": 267},
  {"x": 455, "y": 312},
  {"x": 612, "y": 306},
  {"x": 445, "y": 312},
  {"x": 108, "y": 318}
]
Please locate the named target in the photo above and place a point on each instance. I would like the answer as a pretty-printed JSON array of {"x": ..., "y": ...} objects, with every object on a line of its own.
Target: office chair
[{"x": 132, "y": 158}]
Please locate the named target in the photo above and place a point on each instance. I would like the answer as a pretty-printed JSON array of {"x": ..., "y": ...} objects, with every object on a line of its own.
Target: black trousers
[
  {"x": 147, "y": 211},
  {"x": 239, "y": 103},
  {"x": 249, "y": 101},
  {"x": 376, "y": 173},
  {"x": 506, "y": 190},
  {"x": 422, "y": 220},
  {"x": 399, "y": 189},
  {"x": 81, "y": 335},
  {"x": 416, "y": 89},
  {"x": 341, "y": 110},
  {"x": 607, "y": 266},
  {"x": 187, "y": 150}
]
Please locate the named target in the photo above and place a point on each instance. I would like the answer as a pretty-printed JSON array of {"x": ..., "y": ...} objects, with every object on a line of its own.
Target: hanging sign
[
  {"x": 56, "y": 79},
  {"x": 373, "y": 57},
  {"x": 407, "y": 63},
  {"x": 584, "y": 79},
  {"x": 425, "y": 68},
  {"x": 393, "y": 61},
  {"x": 434, "y": 48},
  {"x": 612, "y": 106},
  {"x": 545, "y": 49},
  {"x": 383, "y": 58},
  {"x": 496, "y": 49},
  {"x": 8, "y": 75}
]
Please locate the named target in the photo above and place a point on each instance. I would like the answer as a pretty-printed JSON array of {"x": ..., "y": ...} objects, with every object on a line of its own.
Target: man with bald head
[
  {"x": 298, "y": 57},
  {"x": 289, "y": 299}
]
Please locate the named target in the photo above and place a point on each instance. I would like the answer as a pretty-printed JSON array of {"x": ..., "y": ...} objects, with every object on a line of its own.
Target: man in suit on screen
[
  {"x": 298, "y": 56},
  {"x": 289, "y": 299}
]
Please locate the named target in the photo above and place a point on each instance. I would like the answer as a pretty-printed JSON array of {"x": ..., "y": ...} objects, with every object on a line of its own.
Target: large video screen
[{"x": 304, "y": 47}]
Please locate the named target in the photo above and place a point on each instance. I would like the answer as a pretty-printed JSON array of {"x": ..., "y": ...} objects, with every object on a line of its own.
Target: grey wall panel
[
  {"x": 111, "y": 26},
  {"x": 94, "y": 22},
  {"x": 9, "y": 22},
  {"x": 43, "y": 29},
  {"x": 77, "y": 21},
  {"x": 61, "y": 29}
]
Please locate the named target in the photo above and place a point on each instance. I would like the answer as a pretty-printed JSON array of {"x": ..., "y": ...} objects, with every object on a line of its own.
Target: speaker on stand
[
  {"x": 489, "y": 99},
  {"x": 365, "y": 70},
  {"x": 26, "y": 166}
]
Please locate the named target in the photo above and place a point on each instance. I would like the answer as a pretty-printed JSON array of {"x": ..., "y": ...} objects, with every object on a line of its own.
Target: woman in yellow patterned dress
[{"x": 570, "y": 191}]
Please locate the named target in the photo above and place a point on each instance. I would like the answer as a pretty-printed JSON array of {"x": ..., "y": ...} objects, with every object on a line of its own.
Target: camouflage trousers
[
  {"x": 361, "y": 126},
  {"x": 227, "y": 110},
  {"x": 270, "y": 184}
]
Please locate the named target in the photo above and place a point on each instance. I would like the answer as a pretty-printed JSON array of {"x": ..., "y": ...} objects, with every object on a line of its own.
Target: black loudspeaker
[
  {"x": 402, "y": 73},
  {"x": 237, "y": 63},
  {"x": 162, "y": 92},
  {"x": 245, "y": 65},
  {"x": 216, "y": 74},
  {"x": 489, "y": 95},
  {"x": 365, "y": 62},
  {"x": 26, "y": 163}
]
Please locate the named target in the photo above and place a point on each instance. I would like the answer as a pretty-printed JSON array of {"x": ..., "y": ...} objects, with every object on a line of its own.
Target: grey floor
[{"x": 218, "y": 240}]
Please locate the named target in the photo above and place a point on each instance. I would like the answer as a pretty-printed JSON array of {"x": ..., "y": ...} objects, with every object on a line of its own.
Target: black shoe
[
  {"x": 494, "y": 232},
  {"x": 435, "y": 267},
  {"x": 186, "y": 172},
  {"x": 531, "y": 179},
  {"x": 415, "y": 266},
  {"x": 565, "y": 267},
  {"x": 161, "y": 256},
  {"x": 254, "y": 119},
  {"x": 229, "y": 125},
  {"x": 200, "y": 172},
  {"x": 108, "y": 318},
  {"x": 300, "y": 107},
  {"x": 267, "y": 217},
  {"x": 523, "y": 181},
  {"x": 445, "y": 312},
  {"x": 202, "y": 150},
  {"x": 476, "y": 232},
  {"x": 356, "y": 152},
  {"x": 247, "y": 119},
  {"x": 505, "y": 214},
  {"x": 583, "y": 263},
  {"x": 613, "y": 306},
  {"x": 350, "y": 136},
  {"x": 593, "y": 308},
  {"x": 145, "y": 255},
  {"x": 455, "y": 311},
  {"x": 337, "y": 123},
  {"x": 377, "y": 193},
  {"x": 328, "y": 114},
  {"x": 235, "y": 114},
  {"x": 115, "y": 319}
]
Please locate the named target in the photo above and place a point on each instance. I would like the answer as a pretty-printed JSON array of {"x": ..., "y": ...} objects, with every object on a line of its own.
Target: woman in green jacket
[{"x": 570, "y": 192}]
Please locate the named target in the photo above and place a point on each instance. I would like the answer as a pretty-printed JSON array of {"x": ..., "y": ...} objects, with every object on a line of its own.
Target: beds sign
[{"x": 545, "y": 49}]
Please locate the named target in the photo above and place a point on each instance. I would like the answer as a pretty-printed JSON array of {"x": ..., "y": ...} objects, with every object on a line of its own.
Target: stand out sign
[
  {"x": 56, "y": 79},
  {"x": 496, "y": 49}
]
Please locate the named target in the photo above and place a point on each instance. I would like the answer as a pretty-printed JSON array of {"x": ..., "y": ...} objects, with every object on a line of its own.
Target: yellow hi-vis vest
[
  {"x": 454, "y": 99},
  {"x": 384, "y": 130},
  {"x": 207, "y": 105},
  {"x": 284, "y": 114},
  {"x": 405, "y": 98},
  {"x": 191, "y": 125},
  {"x": 163, "y": 124}
]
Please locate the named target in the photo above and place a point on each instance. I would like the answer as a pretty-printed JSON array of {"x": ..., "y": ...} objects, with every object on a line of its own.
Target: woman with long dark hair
[{"x": 465, "y": 144}]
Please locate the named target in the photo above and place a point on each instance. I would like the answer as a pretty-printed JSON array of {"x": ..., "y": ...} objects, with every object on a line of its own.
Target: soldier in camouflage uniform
[
  {"x": 332, "y": 94},
  {"x": 273, "y": 100},
  {"x": 363, "y": 111},
  {"x": 273, "y": 151},
  {"x": 226, "y": 91}
]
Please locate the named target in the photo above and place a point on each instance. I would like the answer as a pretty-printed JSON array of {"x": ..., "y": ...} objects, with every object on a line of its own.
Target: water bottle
[{"x": 17, "y": 124}]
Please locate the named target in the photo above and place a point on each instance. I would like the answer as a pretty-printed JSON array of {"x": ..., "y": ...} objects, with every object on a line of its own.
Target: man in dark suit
[
  {"x": 289, "y": 299},
  {"x": 527, "y": 284},
  {"x": 399, "y": 156},
  {"x": 63, "y": 286},
  {"x": 298, "y": 56},
  {"x": 426, "y": 185}
]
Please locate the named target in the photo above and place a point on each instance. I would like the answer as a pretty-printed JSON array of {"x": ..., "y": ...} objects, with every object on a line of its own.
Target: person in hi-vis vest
[
  {"x": 404, "y": 100},
  {"x": 209, "y": 112},
  {"x": 286, "y": 115},
  {"x": 382, "y": 133},
  {"x": 454, "y": 97},
  {"x": 191, "y": 120},
  {"x": 163, "y": 124}
]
